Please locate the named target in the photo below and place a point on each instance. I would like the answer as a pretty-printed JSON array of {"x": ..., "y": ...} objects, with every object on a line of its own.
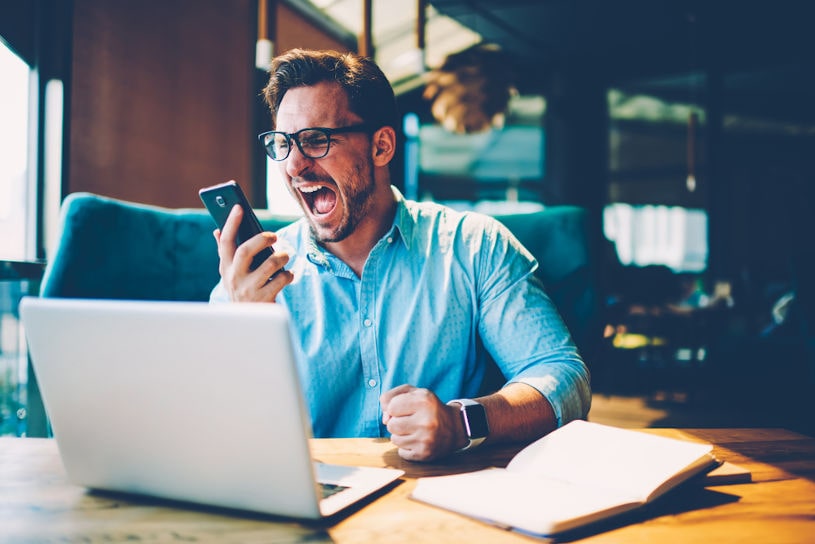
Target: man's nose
[{"x": 296, "y": 162}]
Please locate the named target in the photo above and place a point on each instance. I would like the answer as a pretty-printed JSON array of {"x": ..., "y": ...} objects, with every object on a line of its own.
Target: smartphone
[{"x": 219, "y": 201}]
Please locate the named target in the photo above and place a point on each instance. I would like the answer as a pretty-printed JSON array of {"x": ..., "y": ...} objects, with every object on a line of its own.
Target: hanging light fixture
[
  {"x": 693, "y": 121},
  {"x": 693, "y": 116},
  {"x": 365, "y": 41},
  {"x": 264, "y": 47},
  {"x": 470, "y": 91}
]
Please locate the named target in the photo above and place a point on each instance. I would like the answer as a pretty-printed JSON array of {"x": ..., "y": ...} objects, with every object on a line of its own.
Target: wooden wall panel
[
  {"x": 161, "y": 97},
  {"x": 164, "y": 96},
  {"x": 293, "y": 30}
]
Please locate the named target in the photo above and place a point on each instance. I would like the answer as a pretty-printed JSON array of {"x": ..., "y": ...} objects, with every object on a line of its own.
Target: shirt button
[
  {"x": 372, "y": 383},
  {"x": 390, "y": 239},
  {"x": 367, "y": 322}
]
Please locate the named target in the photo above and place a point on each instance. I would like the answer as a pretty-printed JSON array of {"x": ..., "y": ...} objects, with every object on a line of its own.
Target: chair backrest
[
  {"x": 559, "y": 238},
  {"x": 111, "y": 248}
]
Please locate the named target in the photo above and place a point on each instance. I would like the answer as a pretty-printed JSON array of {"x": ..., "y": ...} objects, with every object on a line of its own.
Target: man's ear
[{"x": 384, "y": 146}]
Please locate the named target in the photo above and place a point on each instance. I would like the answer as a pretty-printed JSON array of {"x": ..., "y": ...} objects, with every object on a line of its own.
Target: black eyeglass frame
[{"x": 329, "y": 132}]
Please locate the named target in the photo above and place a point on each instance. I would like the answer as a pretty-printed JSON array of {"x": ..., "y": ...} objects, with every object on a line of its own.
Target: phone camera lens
[{"x": 220, "y": 201}]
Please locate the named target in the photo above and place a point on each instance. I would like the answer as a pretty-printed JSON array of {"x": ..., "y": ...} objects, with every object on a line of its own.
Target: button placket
[{"x": 369, "y": 351}]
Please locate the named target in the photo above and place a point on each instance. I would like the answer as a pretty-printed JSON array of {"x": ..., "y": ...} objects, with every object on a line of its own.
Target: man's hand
[
  {"x": 421, "y": 426},
  {"x": 242, "y": 284}
]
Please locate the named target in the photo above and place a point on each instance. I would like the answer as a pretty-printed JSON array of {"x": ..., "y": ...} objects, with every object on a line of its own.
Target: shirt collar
[
  {"x": 403, "y": 221},
  {"x": 403, "y": 224},
  {"x": 314, "y": 252}
]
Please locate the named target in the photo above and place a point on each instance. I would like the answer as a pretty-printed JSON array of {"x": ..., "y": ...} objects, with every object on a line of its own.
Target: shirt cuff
[
  {"x": 219, "y": 294},
  {"x": 566, "y": 389}
]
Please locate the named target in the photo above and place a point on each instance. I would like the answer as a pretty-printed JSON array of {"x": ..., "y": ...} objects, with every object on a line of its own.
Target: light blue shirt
[{"x": 436, "y": 291}]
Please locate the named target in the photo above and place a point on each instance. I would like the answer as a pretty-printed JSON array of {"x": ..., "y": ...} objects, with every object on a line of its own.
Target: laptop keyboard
[{"x": 331, "y": 489}]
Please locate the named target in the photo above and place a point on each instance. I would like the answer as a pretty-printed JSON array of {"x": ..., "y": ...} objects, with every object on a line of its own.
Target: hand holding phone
[{"x": 219, "y": 201}]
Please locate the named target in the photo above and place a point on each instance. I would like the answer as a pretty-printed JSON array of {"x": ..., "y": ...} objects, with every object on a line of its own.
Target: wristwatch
[{"x": 474, "y": 418}]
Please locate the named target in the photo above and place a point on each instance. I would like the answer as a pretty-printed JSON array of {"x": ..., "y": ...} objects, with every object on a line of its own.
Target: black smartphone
[{"x": 219, "y": 201}]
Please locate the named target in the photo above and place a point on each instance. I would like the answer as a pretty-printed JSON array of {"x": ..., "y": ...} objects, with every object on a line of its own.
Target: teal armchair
[{"x": 111, "y": 248}]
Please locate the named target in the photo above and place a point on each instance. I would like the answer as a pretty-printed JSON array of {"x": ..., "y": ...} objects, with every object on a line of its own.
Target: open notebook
[
  {"x": 578, "y": 474},
  {"x": 185, "y": 401}
]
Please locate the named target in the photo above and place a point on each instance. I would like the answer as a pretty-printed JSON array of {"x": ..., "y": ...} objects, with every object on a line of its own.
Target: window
[
  {"x": 495, "y": 171},
  {"x": 655, "y": 213},
  {"x": 666, "y": 235},
  {"x": 277, "y": 195},
  {"x": 17, "y": 243},
  {"x": 16, "y": 193}
]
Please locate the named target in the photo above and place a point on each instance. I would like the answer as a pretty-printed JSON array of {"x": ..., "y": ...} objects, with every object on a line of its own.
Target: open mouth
[{"x": 321, "y": 199}]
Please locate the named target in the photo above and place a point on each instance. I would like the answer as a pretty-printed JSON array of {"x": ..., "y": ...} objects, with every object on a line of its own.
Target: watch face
[{"x": 476, "y": 421}]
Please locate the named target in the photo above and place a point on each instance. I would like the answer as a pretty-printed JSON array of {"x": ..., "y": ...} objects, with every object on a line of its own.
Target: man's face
[{"x": 336, "y": 191}]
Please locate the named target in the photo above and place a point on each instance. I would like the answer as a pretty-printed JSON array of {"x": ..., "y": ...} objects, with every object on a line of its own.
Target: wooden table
[{"x": 38, "y": 505}]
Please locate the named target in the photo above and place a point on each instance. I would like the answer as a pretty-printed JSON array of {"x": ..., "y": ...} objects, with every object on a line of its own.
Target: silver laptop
[{"x": 185, "y": 401}]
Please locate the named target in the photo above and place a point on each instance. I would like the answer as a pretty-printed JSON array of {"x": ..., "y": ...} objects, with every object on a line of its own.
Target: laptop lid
[{"x": 181, "y": 400}]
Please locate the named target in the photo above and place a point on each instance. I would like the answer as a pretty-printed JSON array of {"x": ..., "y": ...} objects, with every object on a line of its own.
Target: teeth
[{"x": 310, "y": 189}]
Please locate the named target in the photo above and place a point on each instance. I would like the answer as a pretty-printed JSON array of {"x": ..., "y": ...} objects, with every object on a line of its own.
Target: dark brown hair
[{"x": 369, "y": 92}]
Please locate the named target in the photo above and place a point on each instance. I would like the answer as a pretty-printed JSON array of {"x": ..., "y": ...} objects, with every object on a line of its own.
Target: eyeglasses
[{"x": 313, "y": 142}]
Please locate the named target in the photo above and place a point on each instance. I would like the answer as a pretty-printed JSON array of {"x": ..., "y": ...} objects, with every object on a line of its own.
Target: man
[{"x": 395, "y": 302}]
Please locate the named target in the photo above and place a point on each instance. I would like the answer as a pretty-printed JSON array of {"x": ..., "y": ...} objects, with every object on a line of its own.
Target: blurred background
[{"x": 685, "y": 129}]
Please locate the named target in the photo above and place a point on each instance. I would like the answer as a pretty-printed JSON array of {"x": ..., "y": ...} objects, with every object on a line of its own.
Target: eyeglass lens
[{"x": 312, "y": 142}]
